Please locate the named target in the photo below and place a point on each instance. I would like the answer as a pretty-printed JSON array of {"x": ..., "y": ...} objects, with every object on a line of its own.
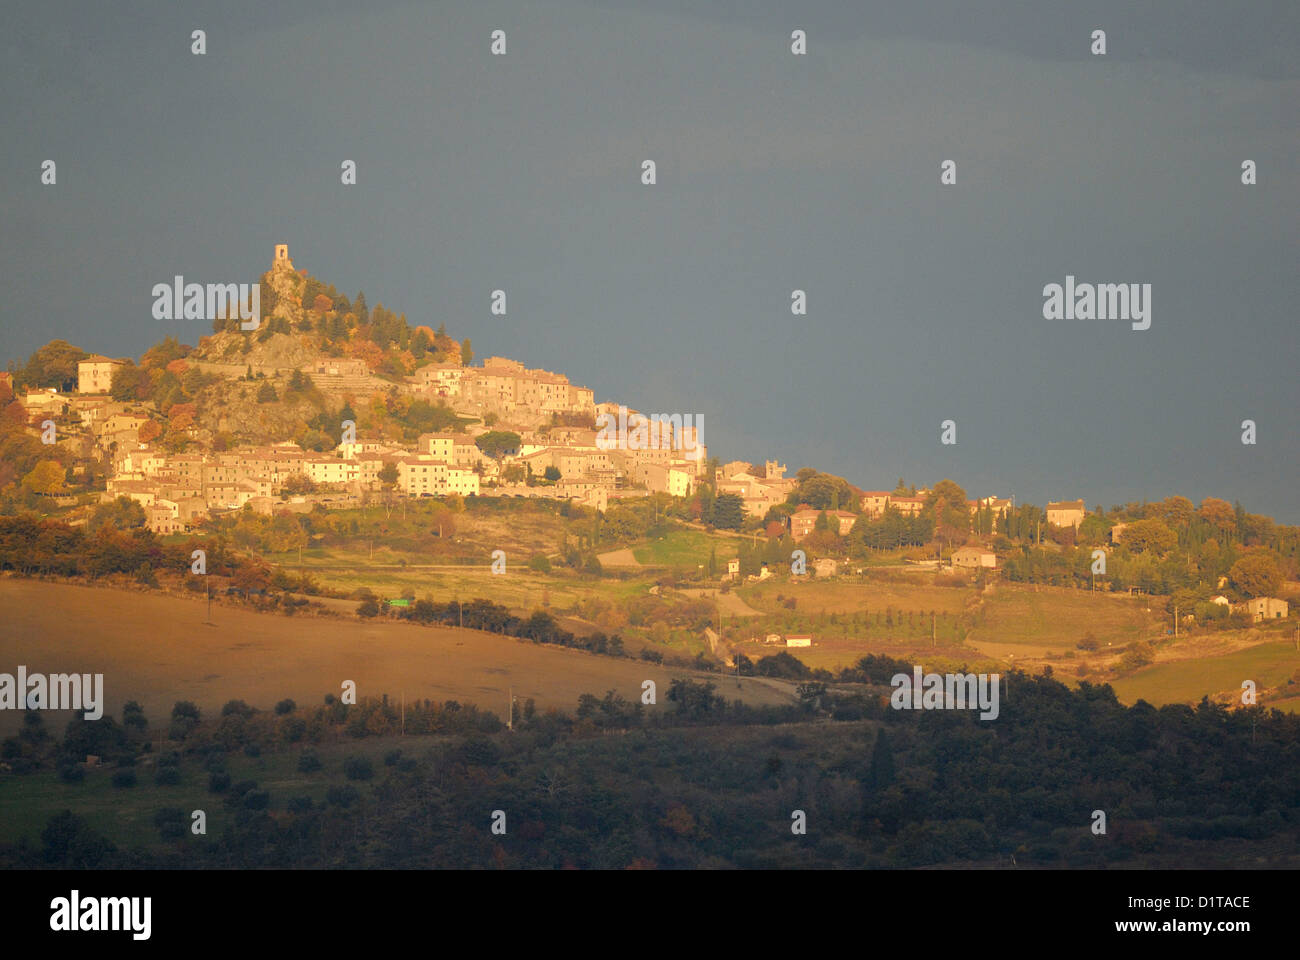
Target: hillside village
[
  {"x": 331, "y": 404},
  {"x": 179, "y": 462}
]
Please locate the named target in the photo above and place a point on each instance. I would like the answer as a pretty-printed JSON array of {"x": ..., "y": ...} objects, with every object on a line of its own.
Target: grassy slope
[{"x": 158, "y": 649}]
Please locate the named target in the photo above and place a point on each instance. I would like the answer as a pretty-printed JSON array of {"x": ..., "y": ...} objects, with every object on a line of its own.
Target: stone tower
[{"x": 282, "y": 254}]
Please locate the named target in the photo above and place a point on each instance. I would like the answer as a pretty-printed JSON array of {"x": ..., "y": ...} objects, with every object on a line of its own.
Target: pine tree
[{"x": 882, "y": 762}]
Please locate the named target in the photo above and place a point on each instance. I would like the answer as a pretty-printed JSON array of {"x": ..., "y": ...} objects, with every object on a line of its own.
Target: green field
[
  {"x": 520, "y": 588},
  {"x": 1186, "y": 681},
  {"x": 687, "y": 550},
  {"x": 1057, "y": 619}
]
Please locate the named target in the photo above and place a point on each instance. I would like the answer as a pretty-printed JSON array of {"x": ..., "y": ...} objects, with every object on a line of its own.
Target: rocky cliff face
[
  {"x": 282, "y": 288},
  {"x": 232, "y": 353},
  {"x": 232, "y": 407}
]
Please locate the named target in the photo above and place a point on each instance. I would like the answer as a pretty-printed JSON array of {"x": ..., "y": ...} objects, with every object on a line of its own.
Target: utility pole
[
  {"x": 510, "y": 715},
  {"x": 403, "y": 713},
  {"x": 1175, "y": 621}
]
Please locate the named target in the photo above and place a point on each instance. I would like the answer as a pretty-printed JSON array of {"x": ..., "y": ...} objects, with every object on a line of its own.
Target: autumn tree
[
  {"x": 47, "y": 477},
  {"x": 947, "y": 503},
  {"x": 181, "y": 415},
  {"x": 1142, "y": 536},
  {"x": 130, "y": 383},
  {"x": 1256, "y": 575},
  {"x": 1174, "y": 511},
  {"x": 1219, "y": 513}
]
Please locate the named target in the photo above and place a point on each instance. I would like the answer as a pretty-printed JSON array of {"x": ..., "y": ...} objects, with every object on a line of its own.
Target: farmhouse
[
  {"x": 804, "y": 522},
  {"x": 1263, "y": 608},
  {"x": 874, "y": 502},
  {"x": 798, "y": 640},
  {"x": 974, "y": 557},
  {"x": 908, "y": 506},
  {"x": 1066, "y": 513}
]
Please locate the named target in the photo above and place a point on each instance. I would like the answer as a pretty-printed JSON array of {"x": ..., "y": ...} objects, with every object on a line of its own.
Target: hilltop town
[
  {"x": 329, "y": 404},
  {"x": 324, "y": 404}
]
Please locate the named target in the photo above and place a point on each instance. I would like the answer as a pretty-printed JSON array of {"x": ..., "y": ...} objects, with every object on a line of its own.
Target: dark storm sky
[{"x": 775, "y": 172}]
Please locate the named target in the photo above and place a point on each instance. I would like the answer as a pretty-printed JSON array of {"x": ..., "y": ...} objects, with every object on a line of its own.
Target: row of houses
[
  {"x": 759, "y": 490},
  {"x": 503, "y": 385},
  {"x": 1258, "y": 609},
  {"x": 606, "y": 460}
]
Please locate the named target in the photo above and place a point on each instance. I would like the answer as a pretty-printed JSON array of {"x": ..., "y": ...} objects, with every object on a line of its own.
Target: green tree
[
  {"x": 882, "y": 761},
  {"x": 69, "y": 841},
  {"x": 133, "y": 716},
  {"x": 728, "y": 511},
  {"x": 121, "y": 514},
  {"x": 53, "y": 365},
  {"x": 497, "y": 443},
  {"x": 822, "y": 491}
]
